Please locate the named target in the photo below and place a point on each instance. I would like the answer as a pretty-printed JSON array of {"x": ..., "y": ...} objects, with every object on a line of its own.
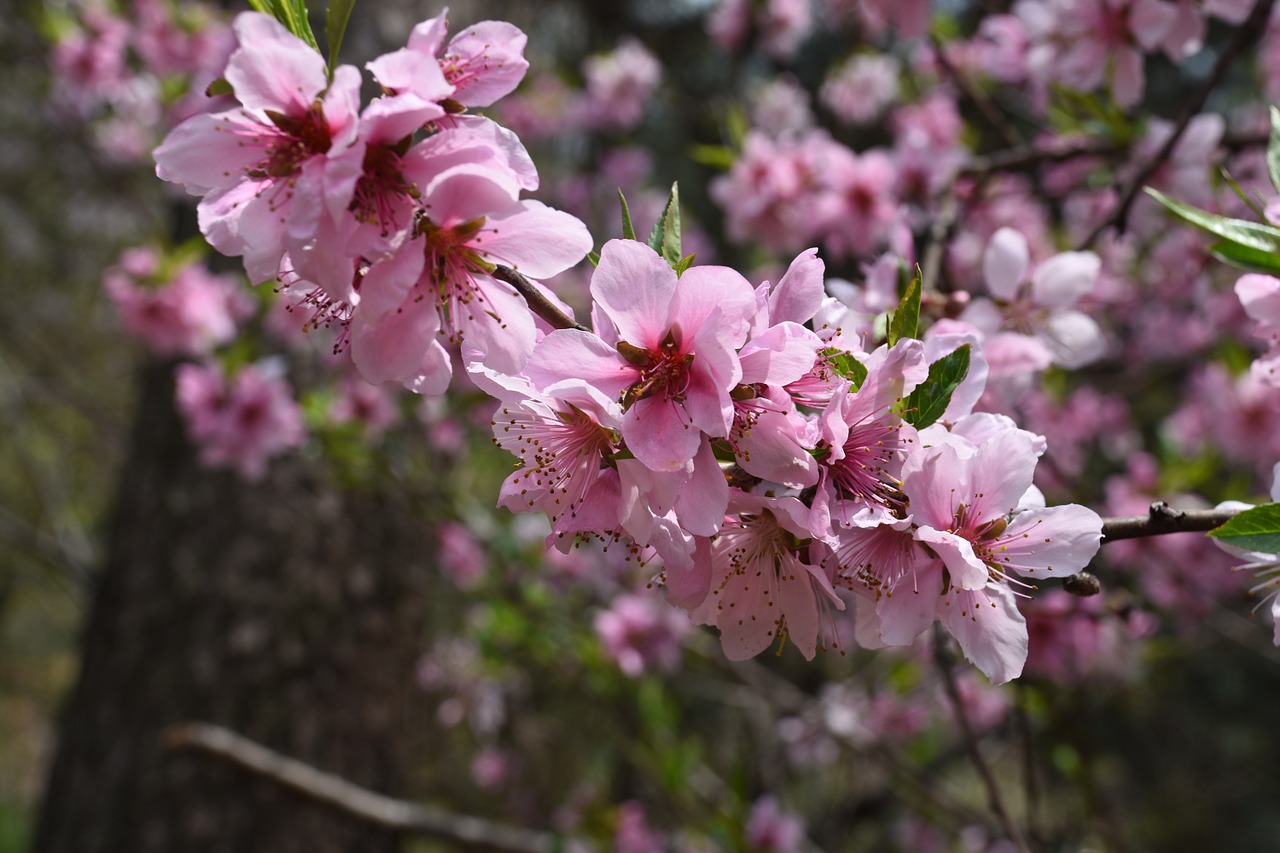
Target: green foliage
[
  {"x": 665, "y": 236},
  {"x": 846, "y": 366},
  {"x": 293, "y": 14},
  {"x": 1256, "y": 529},
  {"x": 1251, "y": 235},
  {"x": 906, "y": 320},
  {"x": 335, "y": 26},
  {"x": 930, "y": 399},
  {"x": 628, "y": 229}
]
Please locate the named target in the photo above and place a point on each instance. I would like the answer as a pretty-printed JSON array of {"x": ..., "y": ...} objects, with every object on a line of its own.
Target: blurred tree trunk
[{"x": 289, "y": 610}]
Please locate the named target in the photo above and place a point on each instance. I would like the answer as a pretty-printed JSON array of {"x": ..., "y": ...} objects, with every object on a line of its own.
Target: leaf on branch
[
  {"x": 665, "y": 236},
  {"x": 1254, "y": 235},
  {"x": 906, "y": 319},
  {"x": 684, "y": 263},
  {"x": 846, "y": 366},
  {"x": 335, "y": 27},
  {"x": 930, "y": 399},
  {"x": 1256, "y": 529},
  {"x": 1246, "y": 257},
  {"x": 628, "y": 229}
]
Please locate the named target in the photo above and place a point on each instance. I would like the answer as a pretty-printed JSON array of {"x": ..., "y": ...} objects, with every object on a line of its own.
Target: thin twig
[
  {"x": 970, "y": 738},
  {"x": 989, "y": 111},
  {"x": 1162, "y": 519},
  {"x": 1249, "y": 32},
  {"x": 939, "y": 234},
  {"x": 538, "y": 304},
  {"x": 348, "y": 797}
]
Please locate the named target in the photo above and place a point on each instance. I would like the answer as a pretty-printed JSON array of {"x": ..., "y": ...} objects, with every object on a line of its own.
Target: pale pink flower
[
  {"x": 666, "y": 350},
  {"x": 771, "y": 828},
  {"x": 620, "y": 84},
  {"x": 642, "y": 633},
  {"x": 462, "y": 558},
  {"x": 762, "y": 585},
  {"x": 190, "y": 314},
  {"x": 784, "y": 25},
  {"x": 251, "y": 163},
  {"x": 479, "y": 65},
  {"x": 862, "y": 87},
  {"x": 372, "y": 407},
  {"x": 239, "y": 423},
  {"x": 1260, "y": 296}
]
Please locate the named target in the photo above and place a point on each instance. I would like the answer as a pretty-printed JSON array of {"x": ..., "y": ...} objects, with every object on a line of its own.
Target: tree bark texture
[{"x": 288, "y": 610}]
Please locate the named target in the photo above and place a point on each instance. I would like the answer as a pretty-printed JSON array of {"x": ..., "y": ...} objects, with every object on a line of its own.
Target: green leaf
[
  {"x": 716, "y": 156},
  {"x": 1246, "y": 257},
  {"x": 335, "y": 27},
  {"x": 665, "y": 236},
  {"x": 219, "y": 87},
  {"x": 1273, "y": 149},
  {"x": 1256, "y": 529},
  {"x": 628, "y": 229},
  {"x": 906, "y": 319},
  {"x": 1264, "y": 238},
  {"x": 1251, "y": 203},
  {"x": 684, "y": 264},
  {"x": 266, "y": 7},
  {"x": 293, "y": 14},
  {"x": 846, "y": 366},
  {"x": 930, "y": 399},
  {"x": 594, "y": 257}
]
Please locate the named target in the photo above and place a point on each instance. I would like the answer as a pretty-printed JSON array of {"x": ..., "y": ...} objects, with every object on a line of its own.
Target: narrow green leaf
[
  {"x": 930, "y": 399},
  {"x": 671, "y": 238},
  {"x": 906, "y": 319},
  {"x": 716, "y": 156},
  {"x": 665, "y": 236},
  {"x": 1246, "y": 257},
  {"x": 1264, "y": 238},
  {"x": 1256, "y": 529},
  {"x": 684, "y": 264},
  {"x": 1273, "y": 149},
  {"x": 266, "y": 7},
  {"x": 628, "y": 229},
  {"x": 846, "y": 366},
  {"x": 296, "y": 21},
  {"x": 1251, "y": 203},
  {"x": 594, "y": 257},
  {"x": 335, "y": 27}
]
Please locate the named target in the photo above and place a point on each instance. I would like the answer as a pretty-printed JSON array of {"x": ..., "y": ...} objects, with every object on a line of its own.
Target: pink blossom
[
  {"x": 641, "y": 632},
  {"x": 239, "y": 423},
  {"x": 1260, "y": 296},
  {"x": 251, "y": 163},
  {"x": 784, "y": 25},
  {"x": 620, "y": 84},
  {"x": 632, "y": 834},
  {"x": 666, "y": 350},
  {"x": 372, "y": 407},
  {"x": 190, "y": 314},
  {"x": 771, "y": 828},
  {"x": 462, "y": 558},
  {"x": 861, "y": 87}
]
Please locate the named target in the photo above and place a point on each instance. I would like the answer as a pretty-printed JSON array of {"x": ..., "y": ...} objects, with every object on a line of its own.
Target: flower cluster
[{"x": 387, "y": 221}]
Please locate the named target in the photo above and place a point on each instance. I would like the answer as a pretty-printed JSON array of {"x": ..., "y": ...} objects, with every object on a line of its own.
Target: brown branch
[
  {"x": 1249, "y": 32},
  {"x": 538, "y": 304},
  {"x": 976, "y": 96},
  {"x": 970, "y": 737},
  {"x": 348, "y": 797},
  {"x": 1162, "y": 519}
]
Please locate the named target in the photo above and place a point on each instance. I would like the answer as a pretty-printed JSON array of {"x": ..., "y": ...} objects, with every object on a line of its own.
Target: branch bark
[
  {"x": 538, "y": 304},
  {"x": 1248, "y": 33},
  {"x": 1162, "y": 519},
  {"x": 338, "y": 793}
]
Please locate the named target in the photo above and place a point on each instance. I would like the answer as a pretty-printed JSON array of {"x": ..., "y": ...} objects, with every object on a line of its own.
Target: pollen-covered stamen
[
  {"x": 880, "y": 559},
  {"x": 383, "y": 192},
  {"x": 864, "y": 473},
  {"x": 664, "y": 372},
  {"x": 561, "y": 450},
  {"x": 452, "y": 263},
  {"x": 991, "y": 546},
  {"x": 326, "y": 312},
  {"x": 299, "y": 138}
]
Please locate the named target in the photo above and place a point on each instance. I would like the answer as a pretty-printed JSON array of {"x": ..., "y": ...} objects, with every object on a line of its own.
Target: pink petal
[
  {"x": 273, "y": 69},
  {"x": 1062, "y": 280},
  {"x": 1004, "y": 263},
  {"x": 1053, "y": 542},
  {"x": 991, "y": 632},
  {"x": 537, "y": 240},
  {"x": 636, "y": 290}
]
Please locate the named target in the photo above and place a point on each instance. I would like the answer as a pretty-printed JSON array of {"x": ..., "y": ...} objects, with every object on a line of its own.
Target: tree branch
[
  {"x": 538, "y": 304},
  {"x": 970, "y": 738},
  {"x": 1249, "y": 32},
  {"x": 1162, "y": 519},
  {"x": 348, "y": 797}
]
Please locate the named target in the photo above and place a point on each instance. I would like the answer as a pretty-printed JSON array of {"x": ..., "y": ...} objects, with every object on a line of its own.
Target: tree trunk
[{"x": 289, "y": 610}]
